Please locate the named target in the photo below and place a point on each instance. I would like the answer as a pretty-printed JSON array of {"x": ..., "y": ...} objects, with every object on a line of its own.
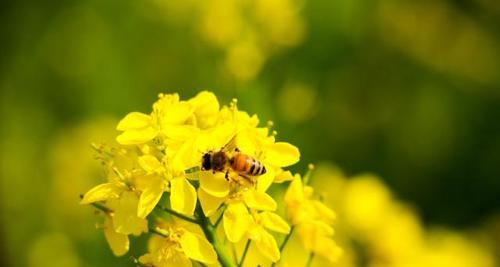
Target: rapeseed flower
[
  {"x": 177, "y": 246},
  {"x": 161, "y": 153},
  {"x": 312, "y": 218}
]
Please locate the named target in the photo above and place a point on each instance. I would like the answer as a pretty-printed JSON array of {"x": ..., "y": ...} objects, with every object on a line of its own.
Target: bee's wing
[{"x": 231, "y": 145}]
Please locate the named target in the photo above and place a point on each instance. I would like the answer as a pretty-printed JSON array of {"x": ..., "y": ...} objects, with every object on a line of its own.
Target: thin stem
[
  {"x": 210, "y": 234},
  {"x": 310, "y": 259},
  {"x": 101, "y": 207},
  {"x": 181, "y": 216},
  {"x": 220, "y": 218},
  {"x": 244, "y": 253},
  {"x": 154, "y": 231},
  {"x": 287, "y": 237}
]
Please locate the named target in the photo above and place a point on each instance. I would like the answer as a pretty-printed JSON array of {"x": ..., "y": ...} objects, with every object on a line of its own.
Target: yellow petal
[
  {"x": 295, "y": 192},
  {"x": 214, "y": 184},
  {"x": 282, "y": 154},
  {"x": 186, "y": 156},
  {"x": 327, "y": 248},
  {"x": 177, "y": 260},
  {"x": 197, "y": 248},
  {"x": 236, "y": 221},
  {"x": 206, "y": 108},
  {"x": 208, "y": 202},
  {"x": 259, "y": 200},
  {"x": 264, "y": 181},
  {"x": 274, "y": 222},
  {"x": 125, "y": 220},
  {"x": 172, "y": 111},
  {"x": 102, "y": 192},
  {"x": 118, "y": 243},
  {"x": 323, "y": 211},
  {"x": 150, "y": 196},
  {"x": 150, "y": 163},
  {"x": 137, "y": 136},
  {"x": 267, "y": 246},
  {"x": 182, "y": 196},
  {"x": 179, "y": 132},
  {"x": 283, "y": 176},
  {"x": 134, "y": 120}
]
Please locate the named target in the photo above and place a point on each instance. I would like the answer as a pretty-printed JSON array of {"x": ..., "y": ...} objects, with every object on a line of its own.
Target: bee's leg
[
  {"x": 227, "y": 175},
  {"x": 247, "y": 178}
]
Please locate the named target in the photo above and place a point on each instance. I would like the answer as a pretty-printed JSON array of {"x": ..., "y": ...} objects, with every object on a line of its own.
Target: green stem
[
  {"x": 287, "y": 237},
  {"x": 211, "y": 235},
  {"x": 154, "y": 231},
  {"x": 244, "y": 253},
  {"x": 310, "y": 259},
  {"x": 181, "y": 216},
  {"x": 101, "y": 207},
  {"x": 220, "y": 218}
]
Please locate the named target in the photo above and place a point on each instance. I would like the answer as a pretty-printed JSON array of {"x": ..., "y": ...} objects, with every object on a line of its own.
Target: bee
[{"x": 225, "y": 160}]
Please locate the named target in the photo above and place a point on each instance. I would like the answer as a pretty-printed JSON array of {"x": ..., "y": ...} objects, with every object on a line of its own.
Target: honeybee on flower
[{"x": 170, "y": 152}]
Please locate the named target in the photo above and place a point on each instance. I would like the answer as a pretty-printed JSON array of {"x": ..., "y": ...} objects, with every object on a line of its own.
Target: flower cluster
[
  {"x": 373, "y": 226},
  {"x": 155, "y": 176}
]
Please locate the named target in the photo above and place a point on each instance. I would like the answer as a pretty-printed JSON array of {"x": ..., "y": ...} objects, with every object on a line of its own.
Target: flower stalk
[{"x": 210, "y": 233}]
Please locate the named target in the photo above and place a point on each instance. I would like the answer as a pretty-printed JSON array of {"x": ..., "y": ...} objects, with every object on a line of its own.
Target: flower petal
[
  {"x": 274, "y": 222},
  {"x": 214, "y": 183},
  {"x": 264, "y": 181},
  {"x": 295, "y": 192},
  {"x": 150, "y": 163},
  {"x": 236, "y": 221},
  {"x": 282, "y": 154},
  {"x": 197, "y": 248},
  {"x": 323, "y": 211},
  {"x": 182, "y": 196},
  {"x": 134, "y": 120},
  {"x": 208, "y": 202},
  {"x": 137, "y": 136},
  {"x": 283, "y": 176},
  {"x": 118, "y": 243},
  {"x": 177, "y": 260},
  {"x": 267, "y": 246},
  {"x": 150, "y": 196},
  {"x": 206, "y": 108},
  {"x": 125, "y": 220},
  {"x": 102, "y": 192},
  {"x": 259, "y": 200}
]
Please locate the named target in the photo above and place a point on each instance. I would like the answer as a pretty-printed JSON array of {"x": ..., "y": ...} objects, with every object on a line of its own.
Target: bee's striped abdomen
[{"x": 247, "y": 165}]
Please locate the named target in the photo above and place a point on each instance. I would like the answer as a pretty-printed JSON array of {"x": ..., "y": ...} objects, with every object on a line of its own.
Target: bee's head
[{"x": 206, "y": 163}]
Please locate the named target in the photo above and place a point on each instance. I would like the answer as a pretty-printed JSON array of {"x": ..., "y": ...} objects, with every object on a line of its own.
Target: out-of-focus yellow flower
[
  {"x": 177, "y": 247},
  {"x": 248, "y": 32},
  {"x": 386, "y": 232},
  {"x": 447, "y": 248},
  {"x": 366, "y": 203},
  {"x": 312, "y": 218}
]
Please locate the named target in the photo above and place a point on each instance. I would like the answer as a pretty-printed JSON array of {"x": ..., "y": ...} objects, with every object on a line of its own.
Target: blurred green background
[{"x": 409, "y": 90}]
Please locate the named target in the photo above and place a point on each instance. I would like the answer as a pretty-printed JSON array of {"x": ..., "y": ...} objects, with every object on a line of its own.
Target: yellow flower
[
  {"x": 265, "y": 242},
  {"x": 162, "y": 152},
  {"x": 168, "y": 119},
  {"x": 177, "y": 247},
  {"x": 313, "y": 220},
  {"x": 120, "y": 217},
  {"x": 118, "y": 243}
]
